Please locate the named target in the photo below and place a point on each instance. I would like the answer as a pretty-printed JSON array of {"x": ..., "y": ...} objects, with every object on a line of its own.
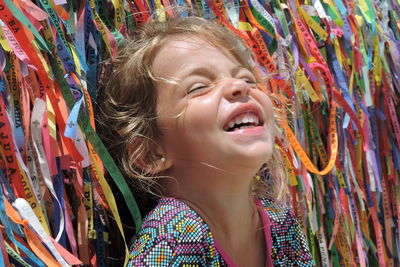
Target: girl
[{"x": 184, "y": 117}]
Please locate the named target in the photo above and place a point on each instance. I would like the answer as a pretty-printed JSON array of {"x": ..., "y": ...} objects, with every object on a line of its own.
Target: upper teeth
[{"x": 244, "y": 118}]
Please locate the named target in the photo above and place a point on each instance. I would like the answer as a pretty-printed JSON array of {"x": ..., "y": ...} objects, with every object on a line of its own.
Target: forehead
[{"x": 185, "y": 52}]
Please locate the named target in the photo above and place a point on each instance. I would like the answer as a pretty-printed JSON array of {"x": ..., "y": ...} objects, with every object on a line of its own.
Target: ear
[{"x": 154, "y": 161}]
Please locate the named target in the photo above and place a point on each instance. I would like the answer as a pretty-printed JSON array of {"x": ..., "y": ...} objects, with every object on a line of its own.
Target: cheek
[
  {"x": 268, "y": 109},
  {"x": 200, "y": 114},
  {"x": 271, "y": 115},
  {"x": 194, "y": 124},
  {"x": 188, "y": 128}
]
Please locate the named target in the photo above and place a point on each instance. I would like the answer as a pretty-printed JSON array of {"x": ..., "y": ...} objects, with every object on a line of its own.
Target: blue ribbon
[
  {"x": 1, "y": 255},
  {"x": 206, "y": 10},
  {"x": 183, "y": 12},
  {"x": 70, "y": 130},
  {"x": 342, "y": 8},
  {"x": 395, "y": 154},
  {"x": 5, "y": 221},
  {"x": 2, "y": 87},
  {"x": 58, "y": 184},
  {"x": 65, "y": 56},
  {"x": 347, "y": 32},
  {"x": 100, "y": 238}
]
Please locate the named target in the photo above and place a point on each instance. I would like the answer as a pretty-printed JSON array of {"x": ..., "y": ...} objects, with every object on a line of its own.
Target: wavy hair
[{"x": 126, "y": 118}]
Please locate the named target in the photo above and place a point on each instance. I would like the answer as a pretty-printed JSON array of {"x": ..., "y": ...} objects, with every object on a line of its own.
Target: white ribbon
[
  {"x": 36, "y": 127},
  {"x": 26, "y": 212}
]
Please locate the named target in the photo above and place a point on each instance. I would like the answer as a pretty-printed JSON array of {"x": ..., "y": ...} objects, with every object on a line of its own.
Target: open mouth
[{"x": 243, "y": 121}]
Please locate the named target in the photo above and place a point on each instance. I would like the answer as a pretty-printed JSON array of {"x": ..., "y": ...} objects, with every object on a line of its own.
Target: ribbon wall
[{"x": 335, "y": 65}]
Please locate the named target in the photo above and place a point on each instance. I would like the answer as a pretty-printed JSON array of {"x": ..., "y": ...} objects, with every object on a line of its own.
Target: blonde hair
[{"x": 127, "y": 103}]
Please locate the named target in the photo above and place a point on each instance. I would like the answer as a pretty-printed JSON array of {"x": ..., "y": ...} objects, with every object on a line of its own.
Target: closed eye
[
  {"x": 251, "y": 81},
  {"x": 198, "y": 88},
  {"x": 247, "y": 76}
]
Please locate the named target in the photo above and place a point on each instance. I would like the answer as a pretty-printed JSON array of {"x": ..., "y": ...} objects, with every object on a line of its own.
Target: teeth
[
  {"x": 244, "y": 119},
  {"x": 256, "y": 120},
  {"x": 239, "y": 120}
]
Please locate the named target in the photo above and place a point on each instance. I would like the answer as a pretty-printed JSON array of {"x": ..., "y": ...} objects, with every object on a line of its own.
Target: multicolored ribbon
[{"x": 336, "y": 64}]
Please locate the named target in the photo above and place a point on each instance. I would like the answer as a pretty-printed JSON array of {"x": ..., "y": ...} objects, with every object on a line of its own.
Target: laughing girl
[{"x": 185, "y": 117}]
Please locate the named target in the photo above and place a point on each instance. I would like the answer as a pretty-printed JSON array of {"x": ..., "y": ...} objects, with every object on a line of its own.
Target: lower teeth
[{"x": 245, "y": 127}]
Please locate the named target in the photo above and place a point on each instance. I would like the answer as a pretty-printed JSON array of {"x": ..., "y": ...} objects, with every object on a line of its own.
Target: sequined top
[{"x": 173, "y": 234}]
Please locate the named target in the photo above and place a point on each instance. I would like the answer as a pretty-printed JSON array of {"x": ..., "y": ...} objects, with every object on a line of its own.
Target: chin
[
  {"x": 253, "y": 160},
  {"x": 259, "y": 151}
]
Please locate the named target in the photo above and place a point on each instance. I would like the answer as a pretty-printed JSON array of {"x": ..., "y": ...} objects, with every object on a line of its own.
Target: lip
[{"x": 243, "y": 109}]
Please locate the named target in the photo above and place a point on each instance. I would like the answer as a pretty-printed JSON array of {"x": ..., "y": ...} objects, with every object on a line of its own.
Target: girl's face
[{"x": 213, "y": 113}]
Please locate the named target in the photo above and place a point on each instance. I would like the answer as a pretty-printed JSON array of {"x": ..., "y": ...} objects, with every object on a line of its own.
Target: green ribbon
[
  {"x": 54, "y": 19},
  {"x": 99, "y": 147},
  {"x": 27, "y": 23},
  {"x": 263, "y": 21},
  {"x": 16, "y": 256},
  {"x": 281, "y": 17}
]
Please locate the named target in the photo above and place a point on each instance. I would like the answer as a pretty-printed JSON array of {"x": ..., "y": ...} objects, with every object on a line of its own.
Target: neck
[
  {"x": 225, "y": 202},
  {"x": 228, "y": 216},
  {"x": 223, "y": 199}
]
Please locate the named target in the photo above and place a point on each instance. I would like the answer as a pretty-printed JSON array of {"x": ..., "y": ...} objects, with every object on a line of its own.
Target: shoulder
[
  {"x": 171, "y": 232},
  {"x": 278, "y": 212},
  {"x": 290, "y": 246}
]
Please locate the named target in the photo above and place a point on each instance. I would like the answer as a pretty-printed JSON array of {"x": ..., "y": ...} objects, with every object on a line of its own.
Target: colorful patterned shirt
[{"x": 173, "y": 234}]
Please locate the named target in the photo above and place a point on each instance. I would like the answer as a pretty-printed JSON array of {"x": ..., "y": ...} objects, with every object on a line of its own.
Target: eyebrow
[
  {"x": 208, "y": 73},
  {"x": 201, "y": 72}
]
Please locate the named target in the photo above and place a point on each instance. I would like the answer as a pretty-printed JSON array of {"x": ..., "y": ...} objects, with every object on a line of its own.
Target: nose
[{"x": 235, "y": 89}]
